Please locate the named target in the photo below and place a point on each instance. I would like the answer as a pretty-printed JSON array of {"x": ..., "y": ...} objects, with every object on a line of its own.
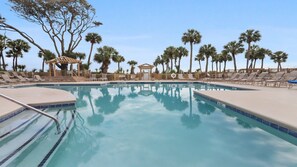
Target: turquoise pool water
[{"x": 166, "y": 125}]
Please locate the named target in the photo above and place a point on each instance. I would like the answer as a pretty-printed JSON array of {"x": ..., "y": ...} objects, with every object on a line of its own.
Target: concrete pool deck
[
  {"x": 273, "y": 104},
  {"x": 277, "y": 105},
  {"x": 33, "y": 96}
]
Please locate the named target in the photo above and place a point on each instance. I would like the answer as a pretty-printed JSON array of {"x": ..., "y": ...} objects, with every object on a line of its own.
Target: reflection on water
[{"x": 135, "y": 125}]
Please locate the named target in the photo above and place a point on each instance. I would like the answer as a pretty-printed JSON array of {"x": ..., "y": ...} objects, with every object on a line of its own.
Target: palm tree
[
  {"x": 17, "y": 47},
  {"x": 160, "y": 61},
  {"x": 171, "y": 54},
  {"x": 21, "y": 67},
  {"x": 156, "y": 63},
  {"x": 46, "y": 55},
  {"x": 118, "y": 59},
  {"x": 279, "y": 57},
  {"x": 165, "y": 59},
  {"x": 181, "y": 52},
  {"x": 199, "y": 57},
  {"x": 216, "y": 59},
  {"x": 225, "y": 56},
  {"x": 93, "y": 38},
  {"x": 234, "y": 48},
  {"x": 253, "y": 57},
  {"x": 3, "y": 46},
  {"x": 261, "y": 53},
  {"x": 132, "y": 63},
  {"x": 249, "y": 36},
  {"x": 104, "y": 55},
  {"x": 207, "y": 51},
  {"x": 192, "y": 37}
]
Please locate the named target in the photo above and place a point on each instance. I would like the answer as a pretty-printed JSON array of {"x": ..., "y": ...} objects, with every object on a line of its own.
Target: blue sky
[{"x": 141, "y": 30}]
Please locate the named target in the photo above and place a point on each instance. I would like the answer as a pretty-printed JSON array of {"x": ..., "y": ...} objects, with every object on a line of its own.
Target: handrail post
[{"x": 34, "y": 109}]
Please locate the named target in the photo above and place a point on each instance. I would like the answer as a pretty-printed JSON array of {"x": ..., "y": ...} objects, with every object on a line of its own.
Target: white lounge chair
[
  {"x": 261, "y": 78},
  {"x": 7, "y": 79},
  {"x": 275, "y": 80},
  {"x": 250, "y": 78},
  {"x": 103, "y": 77},
  {"x": 38, "y": 78},
  {"x": 190, "y": 77},
  {"x": 180, "y": 76}
]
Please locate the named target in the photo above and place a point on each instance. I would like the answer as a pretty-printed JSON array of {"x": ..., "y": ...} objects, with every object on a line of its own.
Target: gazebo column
[
  {"x": 71, "y": 69},
  {"x": 78, "y": 69},
  {"x": 50, "y": 69},
  {"x": 54, "y": 67}
]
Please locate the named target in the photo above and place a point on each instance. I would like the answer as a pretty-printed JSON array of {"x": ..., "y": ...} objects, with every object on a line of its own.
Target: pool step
[
  {"x": 19, "y": 140},
  {"x": 17, "y": 124},
  {"x": 41, "y": 150}
]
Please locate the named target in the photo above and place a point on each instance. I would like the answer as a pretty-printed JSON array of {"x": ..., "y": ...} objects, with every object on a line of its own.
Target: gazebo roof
[
  {"x": 64, "y": 60},
  {"x": 146, "y": 66}
]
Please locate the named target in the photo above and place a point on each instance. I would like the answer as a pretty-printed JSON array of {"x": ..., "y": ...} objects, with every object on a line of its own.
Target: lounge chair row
[
  {"x": 6, "y": 78},
  {"x": 262, "y": 79}
]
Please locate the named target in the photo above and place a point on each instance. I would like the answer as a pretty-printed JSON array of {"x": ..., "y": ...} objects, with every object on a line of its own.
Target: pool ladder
[{"x": 34, "y": 109}]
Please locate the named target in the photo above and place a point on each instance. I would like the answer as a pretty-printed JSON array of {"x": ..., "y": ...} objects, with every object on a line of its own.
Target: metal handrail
[{"x": 34, "y": 109}]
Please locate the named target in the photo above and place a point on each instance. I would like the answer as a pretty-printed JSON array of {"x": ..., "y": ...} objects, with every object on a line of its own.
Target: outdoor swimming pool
[{"x": 133, "y": 125}]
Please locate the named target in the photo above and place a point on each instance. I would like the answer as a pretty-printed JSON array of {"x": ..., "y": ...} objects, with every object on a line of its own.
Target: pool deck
[
  {"x": 277, "y": 105},
  {"x": 33, "y": 96}
]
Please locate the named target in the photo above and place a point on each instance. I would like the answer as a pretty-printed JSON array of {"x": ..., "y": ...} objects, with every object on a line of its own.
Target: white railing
[{"x": 34, "y": 109}]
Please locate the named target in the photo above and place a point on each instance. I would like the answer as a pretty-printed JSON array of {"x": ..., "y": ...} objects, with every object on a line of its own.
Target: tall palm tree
[
  {"x": 279, "y": 57},
  {"x": 261, "y": 53},
  {"x": 207, "y": 51},
  {"x": 234, "y": 48},
  {"x": 225, "y": 56},
  {"x": 17, "y": 47},
  {"x": 118, "y": 59},
  {"x": 249, "y": 36},
  {"x": 93, "y": 38},
  {"x": 171, "y": 53},
  {"x": 216, "y": 59},
  {"x": 165, "y": 59},
  {"x": 46, "y": 55},
  {"x": 199, "y": 57},
  {"x": 157, "y": 62},
  {"x": 253, "y": 57},
  {"x": 3, "y": 46},
  {"x": 160, "y": 61},
  {"x": 132, "y": 63},
  {"x": 104, "y": 55},
  {"x": 181, "y": 52},
  {"x": 193, "y": 37}
]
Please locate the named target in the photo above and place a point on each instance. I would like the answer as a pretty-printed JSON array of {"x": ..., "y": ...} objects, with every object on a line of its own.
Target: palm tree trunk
[
  {"x": 280, "y": 66},
  {"x": 206, "y": 66},
  {"x": 224, "y": 66},
  {"x": 43, "y": 65},
  {"x": 3, "y": 62},
  {"x": 16, "y": 64},
  {"x": 262, "y": 62},
  {"x": 234, "y": 61},
  {"x": 251, "y": 64},
  {"x": 13, "y": 59},
  {"x": 200, "y": 65},
  {"x": 171, "y": 64},
  {"x": 248, "y": 57},
  {"x": 163, "y": 67},
  {"x": 118, "y": 67},
  {"x": 216, "y": 66},
  {"x": 191, "y": 48},
  {"x": 255, "y": 61},
  {"x": 179, "y": 65},
  {"x": 89, "y": 58}
]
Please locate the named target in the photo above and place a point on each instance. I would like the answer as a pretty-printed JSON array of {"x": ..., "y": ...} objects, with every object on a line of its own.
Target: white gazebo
[{"x": 145, "y": 71}]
